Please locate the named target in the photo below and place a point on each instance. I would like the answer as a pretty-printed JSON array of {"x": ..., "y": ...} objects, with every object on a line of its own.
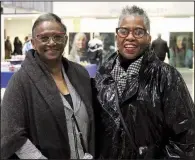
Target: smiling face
[
  {"x": 130, "y": 47},
  {"x": 53, "y": 48}
]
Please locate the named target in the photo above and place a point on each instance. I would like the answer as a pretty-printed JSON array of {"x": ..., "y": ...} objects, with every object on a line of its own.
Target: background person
[
  {"x": 17, "y": 46},
  {"x": 8, "y": 48},
  {"x": 28, "y": 45},
  {"x": 160, "y": 48}
]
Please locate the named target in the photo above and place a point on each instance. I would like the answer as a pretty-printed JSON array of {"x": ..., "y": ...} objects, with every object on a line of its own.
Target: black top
[
  {"x": 160, "y": 48},
  {"x": 126, "y": 62},
  {"x": 69, "y": 99}
]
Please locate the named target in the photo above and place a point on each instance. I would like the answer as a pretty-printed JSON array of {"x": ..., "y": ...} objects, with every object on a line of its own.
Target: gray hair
[
  {"x": 48, "y": 17},
  {"x": 135, "y": 11}
]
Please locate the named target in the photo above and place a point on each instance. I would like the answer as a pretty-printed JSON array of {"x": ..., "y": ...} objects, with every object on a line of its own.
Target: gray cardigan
[{"x": 32, "y": 108}]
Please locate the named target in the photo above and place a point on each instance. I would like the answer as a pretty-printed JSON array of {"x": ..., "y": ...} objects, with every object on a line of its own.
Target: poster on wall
[
  {"x": 78, "y": 46},
  {"x": 181, "y": 49},
  {"x": 108, "y": 39}
]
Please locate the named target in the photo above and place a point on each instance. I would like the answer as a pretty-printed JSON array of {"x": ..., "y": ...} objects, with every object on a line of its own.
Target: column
[
  {"x": 2, "y": 38},
  {"x": 76, "y": 22}
]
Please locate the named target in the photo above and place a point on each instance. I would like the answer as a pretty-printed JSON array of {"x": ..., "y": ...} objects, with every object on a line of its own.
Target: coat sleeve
[
  {"x": 179, "y": 116},
  {"x": 13, "y": 133}
]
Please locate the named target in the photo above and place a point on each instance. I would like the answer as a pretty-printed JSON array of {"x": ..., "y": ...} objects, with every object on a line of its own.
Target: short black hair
[{"x": 48, "y": 17}]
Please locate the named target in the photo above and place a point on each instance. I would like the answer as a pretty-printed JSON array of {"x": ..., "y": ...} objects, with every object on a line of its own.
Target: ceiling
[
  {"x": 107, "y": 9},
  {"x": 113, "y": 9},
  {"x": 13, "y": 10},
  {"x": 21, "y": 7}
]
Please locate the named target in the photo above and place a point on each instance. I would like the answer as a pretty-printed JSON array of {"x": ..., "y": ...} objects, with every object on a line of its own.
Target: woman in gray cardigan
[{"x": 46, "y": 111}]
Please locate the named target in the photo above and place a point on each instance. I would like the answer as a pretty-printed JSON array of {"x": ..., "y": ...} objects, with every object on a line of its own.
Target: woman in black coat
[{"x": 17, "y": 46}]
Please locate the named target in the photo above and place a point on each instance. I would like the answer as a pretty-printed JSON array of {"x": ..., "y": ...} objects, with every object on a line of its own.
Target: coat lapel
[
  {"x": 47, "y": 88},
  {"x": 131, "y": 89},
  {"x": 81, "y": 85},
  {"x": 107, "y": 95}
]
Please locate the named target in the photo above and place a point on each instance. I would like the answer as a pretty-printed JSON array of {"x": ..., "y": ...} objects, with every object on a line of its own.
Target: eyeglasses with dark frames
[
  {"x": 58, "y": 37},
  {"x": 136, "y": 32}
]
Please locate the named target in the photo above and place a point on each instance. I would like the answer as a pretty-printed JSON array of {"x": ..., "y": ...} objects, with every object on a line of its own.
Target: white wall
[
  {"x": 16, "y": 27},
  {"x": 166, "y": 25},
  {"x": 20, "y": 25},
  {"x": 20, "y": 28}
]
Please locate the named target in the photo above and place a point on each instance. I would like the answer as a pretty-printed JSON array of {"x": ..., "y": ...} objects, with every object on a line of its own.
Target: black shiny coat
[{"x": 157, "y": 108}]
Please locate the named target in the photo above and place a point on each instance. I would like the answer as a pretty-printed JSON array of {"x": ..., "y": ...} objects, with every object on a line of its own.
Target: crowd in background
[
  {"x": 179, "y": 52},
  {"x": 19, "y": 47}
]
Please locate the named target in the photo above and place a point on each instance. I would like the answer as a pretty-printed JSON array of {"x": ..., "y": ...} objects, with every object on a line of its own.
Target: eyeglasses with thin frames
[
  {"x": 136, "y": 32},
  {"x": 57, "y": 38}
]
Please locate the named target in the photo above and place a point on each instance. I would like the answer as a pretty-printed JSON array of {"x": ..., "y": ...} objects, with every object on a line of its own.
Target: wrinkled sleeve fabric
[
  {"x": 29, "y": 151},
  {"x": 179, "y": 116},
  {"x": 13, "y": 133}
]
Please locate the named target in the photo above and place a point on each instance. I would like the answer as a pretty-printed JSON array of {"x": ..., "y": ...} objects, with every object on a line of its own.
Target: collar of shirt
[{"x": 121, "y": 76}]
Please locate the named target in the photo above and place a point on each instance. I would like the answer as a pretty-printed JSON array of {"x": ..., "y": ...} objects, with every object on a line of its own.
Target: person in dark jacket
[
  {"x": 46, "y": 112},
  {"x": 8, "y": 48},
  {"x": 160, "y": 48},
  {"x": 145, "y": 110},
  {"x": 17, "y": 46}
]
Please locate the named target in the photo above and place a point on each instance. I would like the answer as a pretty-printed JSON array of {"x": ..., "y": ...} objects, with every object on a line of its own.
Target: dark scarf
[{"x": 126, "y": 62}]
